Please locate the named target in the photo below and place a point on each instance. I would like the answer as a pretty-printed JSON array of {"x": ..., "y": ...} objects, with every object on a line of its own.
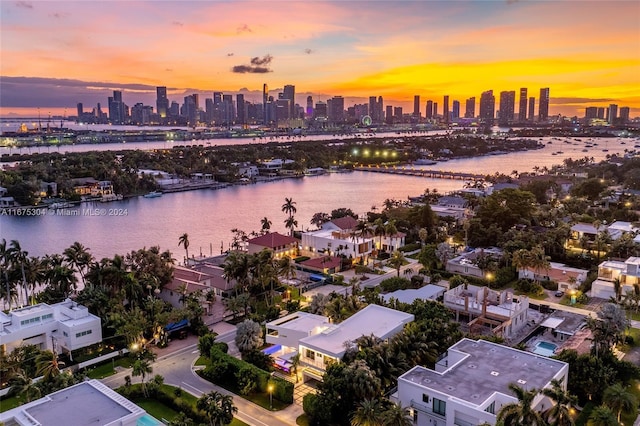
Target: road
[{"x": 177, "y": 370}]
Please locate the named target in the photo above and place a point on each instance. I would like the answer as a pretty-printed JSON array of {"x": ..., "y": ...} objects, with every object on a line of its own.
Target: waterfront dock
[{"x": 410, "y": 171}]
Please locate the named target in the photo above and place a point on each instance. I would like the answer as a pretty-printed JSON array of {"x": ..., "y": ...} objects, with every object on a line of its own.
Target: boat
[{"x": 153, "y": 194}]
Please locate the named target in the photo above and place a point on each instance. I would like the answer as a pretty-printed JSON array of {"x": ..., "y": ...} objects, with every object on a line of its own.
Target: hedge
[{"x": 224, "y": 368}]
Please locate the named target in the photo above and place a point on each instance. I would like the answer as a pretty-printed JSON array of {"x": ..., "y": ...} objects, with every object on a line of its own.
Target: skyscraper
[
  {"x": 265, "y": 99},
  {"x": 487, "y": 106},
  {"x": 241, "y": 108},
  {"x": 522, "y": 110},
  {"x": 309, "y": 106},
  {"x": 470, "y": 108},
  {"x": 455, "y": 110},
  {"x": 543, "y": 105},
  {"x": 162, "y": 102},
  {"x": 416, "y": 106},
  {"x": 289, "y": 92},
  {"x": 507, "y": 106},
  {"x": 613, "y": 113},
  {"x": 445, "y": 112},
  {"x": 532, "y": 108}
]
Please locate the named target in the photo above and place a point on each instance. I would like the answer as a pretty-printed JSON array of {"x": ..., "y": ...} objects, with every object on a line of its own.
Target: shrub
[
  {"x": 395, "y": 283},
  {"x": 410, "y": 247}
]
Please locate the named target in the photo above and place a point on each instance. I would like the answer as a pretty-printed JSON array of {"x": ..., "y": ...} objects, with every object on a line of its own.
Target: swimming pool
[
  {"x": 148, "y": 420},
  {"x": 545, "y": 349}
]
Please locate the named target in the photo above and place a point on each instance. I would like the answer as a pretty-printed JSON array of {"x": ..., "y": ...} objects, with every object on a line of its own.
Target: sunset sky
[{"x": 55, "y": 54}]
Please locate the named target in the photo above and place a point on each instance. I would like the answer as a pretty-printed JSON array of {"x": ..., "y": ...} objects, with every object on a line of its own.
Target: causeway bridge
[{"x": 410, "y": 171}]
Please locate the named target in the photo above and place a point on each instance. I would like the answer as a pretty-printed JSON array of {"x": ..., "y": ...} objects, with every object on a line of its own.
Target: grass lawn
[
  {"x": 203, "y": 360},
  {"x": 9, "y": 403},
  {"x": 157, "y": 409}
]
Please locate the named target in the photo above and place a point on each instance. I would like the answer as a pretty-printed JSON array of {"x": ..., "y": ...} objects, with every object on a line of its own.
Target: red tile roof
[
  {"x": 322, "y": 262},
  {"x": 346, "y": 222},
  {"x": 272, "y": 240}
]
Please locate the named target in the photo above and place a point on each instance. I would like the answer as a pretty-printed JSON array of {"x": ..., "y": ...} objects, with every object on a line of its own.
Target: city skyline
[{"x": 56, "y": 54}]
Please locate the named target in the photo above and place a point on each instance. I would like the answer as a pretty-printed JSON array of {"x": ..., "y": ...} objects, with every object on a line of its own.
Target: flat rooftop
[
  {"x": 374, "y": 319},
  {"x": 300, "y": 321},
  {"x": 428, "y": 292},
  {"x": 85, "y": 404},
  {"x": 486, "y": 368}
]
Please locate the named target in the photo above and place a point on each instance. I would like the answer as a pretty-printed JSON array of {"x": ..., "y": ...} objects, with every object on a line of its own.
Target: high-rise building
[
  {"x": 590, "y": 113},
  {"x": 429, "y": 110},
  {"x": 117, "y": 108},
  {"x": 309, "y": 111},
  {"x": 470, "y": 108},
  {"x": 522, "y": 110},
  {"x": 241, "y": 115},
  {"x": 335, "y": 108},
  {"x": 416, "y": 106},
  {"x": 532, "y": 108},
  {"x": 624, "y": 115},
  {"x": 320, "y": 110},
  {"x": 445, "y": 112},
  {"x": 265, "y": 99},
  {"x": 455, "y": 110},
  {"x": 543, "y": 104},
  {"x": 507, "y": 107},
  {"x": 162, "y": 102},
  {"x": 487, "y": 106},
  {"x": 389, "y": 115},
  {"x": 289, "y": 92},
  {"x": 613, "y": 114}
]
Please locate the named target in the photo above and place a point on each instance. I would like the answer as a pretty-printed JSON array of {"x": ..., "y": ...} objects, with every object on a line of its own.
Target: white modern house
[
  {"x": 470, "y": 383},
  {"x": 335, "y": 238},
  {"x": 320, "y": 350},
  {"x": 85, "y": 404},
  {"x": 64, "y": 326},
  {"x": 627, "y": 272}
]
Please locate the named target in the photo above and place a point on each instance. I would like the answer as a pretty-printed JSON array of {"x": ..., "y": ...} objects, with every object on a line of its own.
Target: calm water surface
[{"x": 209, "y": 215}]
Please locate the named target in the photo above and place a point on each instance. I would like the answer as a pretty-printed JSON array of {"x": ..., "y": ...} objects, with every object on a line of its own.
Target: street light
[{"x": 270, "y": 396}]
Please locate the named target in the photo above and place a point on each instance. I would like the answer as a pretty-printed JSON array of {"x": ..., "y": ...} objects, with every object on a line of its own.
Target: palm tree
[
  {"x": 397, "y": 415},
  {"x": 368, "y": 413},
  {"x": 184, "y": 241},
  {"x": 290, "y": 223},
  {"x": 619, "y": 399},
  {"x": 521, "y": 412},
  {"x": 219, "y": 408},
  {"x": 602, "y": 416},
  {"x": 396, "y": 261},
  {"x": 47, "y": 365},
  {"x": 142, "y": 367},
  {"x": 558, "y": 414},
  {"x": 79, "y": 258},
  {"x": 266, "y": 225}
]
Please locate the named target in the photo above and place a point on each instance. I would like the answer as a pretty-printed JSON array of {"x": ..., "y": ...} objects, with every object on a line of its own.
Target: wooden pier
[{"x": 411, "y": 171}]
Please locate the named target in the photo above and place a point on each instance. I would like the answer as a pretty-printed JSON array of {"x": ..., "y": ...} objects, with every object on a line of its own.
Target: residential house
[
  {"x": 501, "y": 311},
  {"x": 280, "y": 245},
  {"x": 338, "y": 237},
  {"x": 468, "y": 262},
  {"x": 64, "y": 326},
  {"x": 470, "y": 384},
  {"x": 568, "y": 278},
  {"x": 320, "y": 350},
  {"x": 86, "y": 403},
  {"x": 627, "y": 273}
]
